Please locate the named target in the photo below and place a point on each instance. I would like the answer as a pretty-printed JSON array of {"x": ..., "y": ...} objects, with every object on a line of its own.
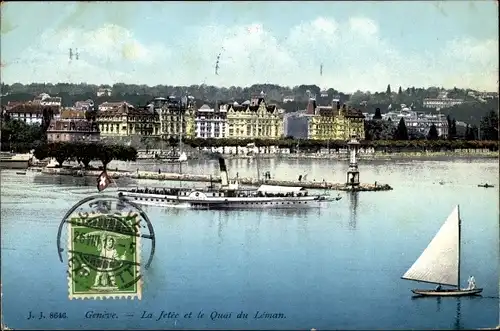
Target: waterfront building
[
  {"x": 419, "y": 121},
  {"x": 30, "y": 112},
  {"x": 210, "y": 122},
  {"x": 127, "y": 120},
  {"x": 335, "y": 122},
  {"x": 254, "y": 119},
  {"x": 72, "y": 130},
  {"x": 176, "y": 116}
]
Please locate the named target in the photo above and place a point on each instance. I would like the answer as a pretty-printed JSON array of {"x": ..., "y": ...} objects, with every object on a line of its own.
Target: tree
[
  {"x": 85, "y": 153},
  {"x": 400, "y": 91},
  {"x": 378, "y": 115},
  {"x": 489, "y": 126},
  {"x": 47, "y": 116},
  {"x": 41, "y": 152},
  {"x": 469, "y": 133},
  {"x": 433, "y": 133},
  {"x": 172, "y": 141},
  {"x": 401, "y": 131},
  {"x": 19, "y": 136},
  {"x": 388, "y": 91},
  {"x": 105, "y": 153},
  {"x": 61, "y": 151},
  {"x": 453, "y": 129},
  {"x": 377, "y": 130}
]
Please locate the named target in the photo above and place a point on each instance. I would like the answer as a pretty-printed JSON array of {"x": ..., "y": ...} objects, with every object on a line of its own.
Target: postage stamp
[{"x": 104, "y": 255}]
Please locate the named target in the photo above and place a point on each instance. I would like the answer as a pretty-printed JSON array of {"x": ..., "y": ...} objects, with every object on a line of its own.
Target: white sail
[{"x": 439, "y": 262}]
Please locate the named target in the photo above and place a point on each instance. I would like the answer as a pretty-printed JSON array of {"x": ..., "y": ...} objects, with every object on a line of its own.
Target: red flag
[{"x": 103, "y": 181}]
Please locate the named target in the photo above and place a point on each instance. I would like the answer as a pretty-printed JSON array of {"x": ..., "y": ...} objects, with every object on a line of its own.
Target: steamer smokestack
[{"x": 223, "y": 172}]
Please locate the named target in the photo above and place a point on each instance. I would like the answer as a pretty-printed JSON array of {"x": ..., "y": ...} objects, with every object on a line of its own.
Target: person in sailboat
[
  {"x": 438, "y": 288},
  {"x": 472, "y": 283}
]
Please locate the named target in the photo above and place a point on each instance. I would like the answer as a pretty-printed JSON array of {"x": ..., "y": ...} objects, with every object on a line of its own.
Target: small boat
[
  {"x": 20, "y": 172},
  {"x": 486, "y": 185},
  {"x": 173, "y": 158},
  {"x": 440, "y": 262}
]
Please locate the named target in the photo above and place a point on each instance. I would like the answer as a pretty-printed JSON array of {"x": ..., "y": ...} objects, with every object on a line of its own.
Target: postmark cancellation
[{"x": 104, "y": 256}]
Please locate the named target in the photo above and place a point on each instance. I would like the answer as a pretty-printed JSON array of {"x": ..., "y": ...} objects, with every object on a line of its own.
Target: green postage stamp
[{"x": 104, "y": 256}]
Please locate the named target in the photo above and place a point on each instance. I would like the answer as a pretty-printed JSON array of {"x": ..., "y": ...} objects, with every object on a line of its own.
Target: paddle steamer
[{"x": 228, "y": 196}]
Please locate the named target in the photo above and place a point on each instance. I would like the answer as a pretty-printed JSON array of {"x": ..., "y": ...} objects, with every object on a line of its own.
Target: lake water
[{"x": 332, "y": 268}]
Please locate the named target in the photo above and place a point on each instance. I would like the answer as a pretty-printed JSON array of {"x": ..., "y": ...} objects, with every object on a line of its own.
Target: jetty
[
  {"x": 164, "y": 176},
  {"x": 14, "y": 161}
]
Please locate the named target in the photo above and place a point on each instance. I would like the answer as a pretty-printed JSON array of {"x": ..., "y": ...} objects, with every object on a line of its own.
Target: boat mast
[{"x": 459, "y": 244}]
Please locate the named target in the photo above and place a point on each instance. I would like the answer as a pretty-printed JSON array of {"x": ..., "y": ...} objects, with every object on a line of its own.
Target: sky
[{"x": 359, "y": 45}]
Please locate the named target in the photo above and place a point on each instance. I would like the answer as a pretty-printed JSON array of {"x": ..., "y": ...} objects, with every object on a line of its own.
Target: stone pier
[{"x": 216, "y": 179}]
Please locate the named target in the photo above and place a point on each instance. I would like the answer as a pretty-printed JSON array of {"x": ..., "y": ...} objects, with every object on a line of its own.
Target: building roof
[
  {"x": 205, "y": 107},
  {"x": 72, "y": 113},
  {"x": 11, "y": 104},
  {"x": 311, "y": 107},
  {"x": 29, "y": 107},
  {"x": 333, "y": 111},
  {"x": 125, "y": 109},
  {"x": 269, "y": 108},
  {"x": 113, "y": 104}
]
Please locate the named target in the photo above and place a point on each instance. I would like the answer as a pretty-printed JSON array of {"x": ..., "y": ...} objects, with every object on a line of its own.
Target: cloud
[
  {"x": 107, "y": 54},
  {"x": 363, "y": 26},
  {"x": 470, "y": 62},
  {"x": 354, "y": 53}
]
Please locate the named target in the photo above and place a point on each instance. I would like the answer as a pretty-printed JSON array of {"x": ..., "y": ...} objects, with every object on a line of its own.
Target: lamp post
[{"x": 353, "y": 172}]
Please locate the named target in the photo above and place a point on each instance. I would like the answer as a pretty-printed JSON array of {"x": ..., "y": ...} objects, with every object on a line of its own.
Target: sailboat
[{"x": 440, "y": 262}]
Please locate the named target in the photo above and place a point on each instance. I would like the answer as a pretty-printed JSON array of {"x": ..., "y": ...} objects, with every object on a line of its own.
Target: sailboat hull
[{"x": 447, "y": 293}]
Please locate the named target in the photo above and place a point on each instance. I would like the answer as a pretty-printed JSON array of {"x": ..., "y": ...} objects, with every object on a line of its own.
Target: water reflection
[
  {"x": 458, "y": 325},
  {"x": 353, "y": 204},
  {"x": 220, "y": 226}
]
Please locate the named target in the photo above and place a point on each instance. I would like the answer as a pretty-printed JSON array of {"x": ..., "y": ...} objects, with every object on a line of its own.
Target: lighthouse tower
[{"x": 353, "y": 172}]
